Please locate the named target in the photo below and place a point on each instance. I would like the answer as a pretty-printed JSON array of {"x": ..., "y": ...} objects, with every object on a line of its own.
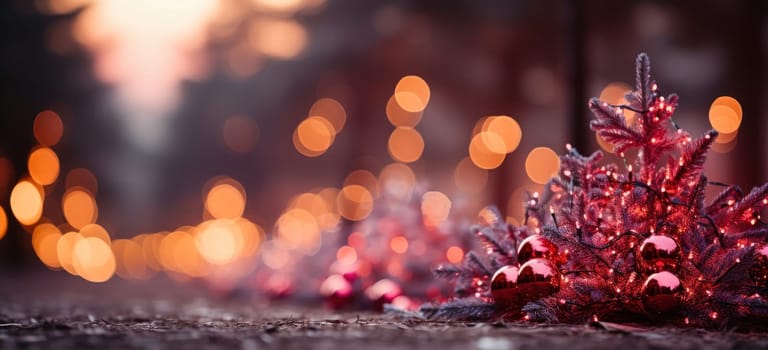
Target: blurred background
[{"x": 131, "y": 128}]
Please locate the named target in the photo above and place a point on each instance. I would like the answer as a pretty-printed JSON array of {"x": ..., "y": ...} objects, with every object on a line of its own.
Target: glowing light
[
  {"x": 93, "y": 260},
  {"x": 363, "y": 178},
  {"x": 541, "y": 164},
  {"x": 129, "y": 258},
  {"x": 48, "y": 128},
  {"x": 3, "y": 222},
  {"x": 240, "y": 133},
  {"x": 45, "y": 239},
  {"x": 354, "y": 202},
  {"x": 82, "y": 177},
  {"x": 27, "y": 202},
  {"x": 313, "y": 136},
  {"x": 43, "y": 165},
  {"x": 435, "y": 207},
  {"x": 397, "y": 180},
  {"x": 615, "y": 94},
  {"x": 454, "y": 254},
  {"x": 726, "y": 138},
  {"x": 298, "y": 229},
  {"x": 346, "y": 255},
  {"x": 399, "y": 244},
  {"x": 505, "y": 129},
  {"x": 469, "y": 178},
  {"x": 79, "y": 207},
  {"x": 219, "y": 242},
  {"x": 278, "y": 38},
  {"x": 321, "y": 206},
  {"x": 332, "y": 111},
  {"x": 405, "y": 145},
  {"x": 97, "y": 231},
  {"x": 481, "y": 155},
  {"x": 412, "y": 93},
  {"x": 226, "y": 199},
  {"x": 724, "y": 119},
  {"x": 399, "y": 117},
  {"x": 252, "y": 236},
  {"x": 64, "y": 250}
]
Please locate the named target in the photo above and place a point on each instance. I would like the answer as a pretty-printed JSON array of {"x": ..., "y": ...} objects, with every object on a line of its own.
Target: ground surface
[{"x": 47, "y": 314}]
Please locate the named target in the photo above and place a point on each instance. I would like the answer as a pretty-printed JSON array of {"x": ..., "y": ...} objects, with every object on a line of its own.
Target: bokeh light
[
  {"x": 96, "y": 231},
  {"x": 82, "y": 177},
  {"x": 43, "y": 165},
  {"x": 454, "y": 254},
  {"x": 483, "y": 156},
  {"x": 129, "y": 259},
  {"x": 48, "y": 127},
  {"x": 541, "y": 164},
  {"x": 503, "y": 128},
  {"x": 331, "y": 110},
  {"x": 93, "y": 260},
  {"x": 278, "y": 38},
  {"x": 65, "y": 249},
  {"x": 219, "y": 241},
  {"x": 355, "y": 202},
  {"x": 405, "y": 145},
  {"x": 725, "y": 115},
  {"x": 79, "y": 207},
  {"x": 412, "y": 93},
  {"x": 400, "y": 117},
  {"x": 313, "y": 136},
  {"x": 297, "y": 229},
  {"x": 27, "y": 202},
  {"x": 226, "y": 199},
  {"x": 3, "y": 222},
  {"x": 398, "y": 244},
  {"x": 397, "y": 180},
  {"x": 435, "y": 208},
  {"x": 45, "y": 239}
]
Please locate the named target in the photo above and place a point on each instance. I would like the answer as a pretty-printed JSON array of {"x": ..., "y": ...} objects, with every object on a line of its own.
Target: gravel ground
[{"x": 35, "y": 316}]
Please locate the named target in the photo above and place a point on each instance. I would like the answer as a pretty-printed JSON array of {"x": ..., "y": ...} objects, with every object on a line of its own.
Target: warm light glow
[
  {"x": 79, "y": 207},
  {"x": 726, "y": 138},
  {"x": 220, "y": 241},
  {"x": 315, "y": 135},
  {"x": 3, "y": 222},
  {"x": 354, "y": 202},
  {"x": 129, "y": 258},
  {"x": 397, "y": 180},
  {"x": 45, "y": 239},
  {"x": 454, "y": 254},
  {"x": 226, "y": 199},
  {"x": 298, "y": 229},
  {"x": 82, "y": 177},
  {"x": 468, "y": 177},
  {"x": 725, "y": 115},
  {"x": 322, "y": 206},
  {"x": 541, "y": 164},
  {"x": 97, "y": 231},
  {"x": 435, "y": 207},
  {"x": 65, "y": 248},
  {"x": 614, "y": 94},
  {"x": 43, "y": 165},
  {"x": 412, "y": 93},
  {"x": 27, "y": 202},
  {"x": 278, "y": 38},
  {"x": 332, "y": 111},
  {"x": 240, "y": 133},
  {"x": 501, "y": 128},
  {"x": 605, "y": 145},
  {"x": 346, "y": 255},
  {"x": 400, "y": 117},
  {"x": 484, "y": 157},
  {"x": 399, "y": 244},
  {"x": 93, "y": 260},
  {"x": 405, "y": 145},
  {"x": 364, "y": 178},
  {"x": 48, "y": 128},
  {"x": 252, "y": 236}
]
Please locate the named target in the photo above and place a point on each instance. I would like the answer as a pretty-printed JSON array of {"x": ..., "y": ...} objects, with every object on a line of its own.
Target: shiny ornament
[
  {"x": 504, "y": 287},
  {"x": 538, "y": 278},
  {"x": 662, "y": 292},
  {"x": 659, "y": 253},
  {"x": 758, "y": 272},
  {"x": 536, "y": 246}
]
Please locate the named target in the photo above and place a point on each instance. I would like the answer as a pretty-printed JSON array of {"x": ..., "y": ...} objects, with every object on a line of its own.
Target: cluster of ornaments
[{"x": 537, "y": 276}]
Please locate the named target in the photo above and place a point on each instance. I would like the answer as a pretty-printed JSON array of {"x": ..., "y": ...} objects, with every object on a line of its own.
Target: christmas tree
[{"x": 632, "y": 242}]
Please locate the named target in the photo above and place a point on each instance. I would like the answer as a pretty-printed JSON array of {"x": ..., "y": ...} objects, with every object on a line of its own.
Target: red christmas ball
[
  {"x": 504, "y": 287},
  {"x": 758, "y": 272},
  {"x": 538, "y": 278},
  {"x": 536, "y": 246},
  {"x": 659, "y": 253},
  {"x": 662, "y": 292}
]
